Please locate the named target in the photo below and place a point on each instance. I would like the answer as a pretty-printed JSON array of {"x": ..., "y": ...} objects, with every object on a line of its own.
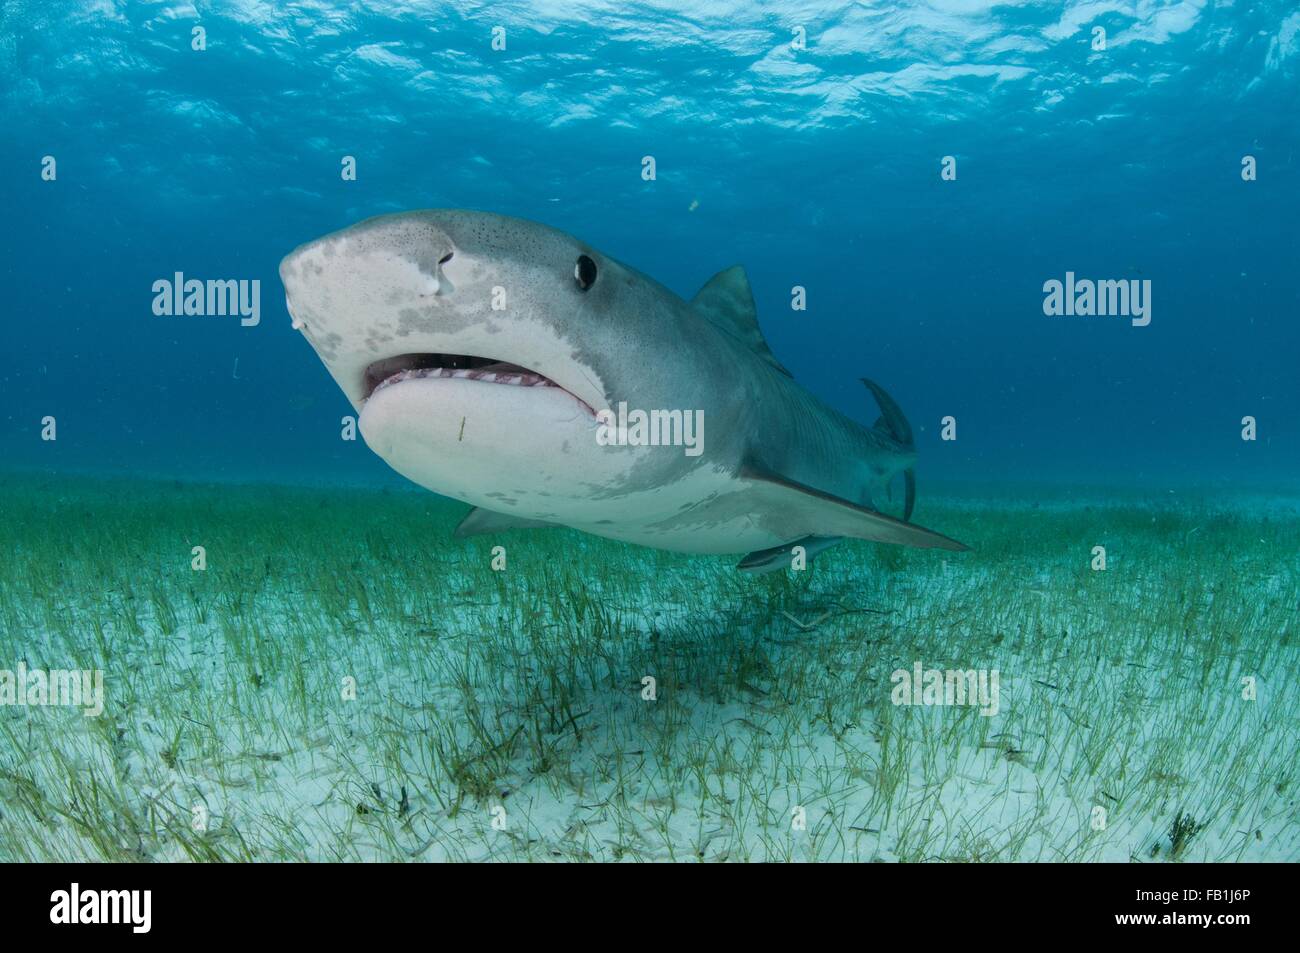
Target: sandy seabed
[{"x": 346, "y": 681}]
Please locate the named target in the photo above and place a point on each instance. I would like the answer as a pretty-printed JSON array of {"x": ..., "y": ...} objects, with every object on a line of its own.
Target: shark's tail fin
[{"x": 893, "y": 424}]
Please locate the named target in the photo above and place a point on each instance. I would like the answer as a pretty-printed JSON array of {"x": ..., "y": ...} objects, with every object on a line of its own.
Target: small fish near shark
[{"x": 484, "y": 355}]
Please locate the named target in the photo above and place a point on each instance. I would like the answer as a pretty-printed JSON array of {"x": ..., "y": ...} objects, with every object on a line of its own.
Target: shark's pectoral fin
[
  {"x": 830, "y": 515},
  {"x": 727, "y": 302},
  {"x": 782, "y": 557},
  {"x": 480, "y": 521}
]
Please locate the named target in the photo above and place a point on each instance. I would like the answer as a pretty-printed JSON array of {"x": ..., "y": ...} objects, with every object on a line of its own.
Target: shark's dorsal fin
[
  {"x": 727, "y": 302},
  {"x": 824, "y": 514},
  {"x": 480, "y": 521}
]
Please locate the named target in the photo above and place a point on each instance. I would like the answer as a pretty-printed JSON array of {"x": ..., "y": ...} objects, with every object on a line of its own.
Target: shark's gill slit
[{"x": 403, "y": 367}]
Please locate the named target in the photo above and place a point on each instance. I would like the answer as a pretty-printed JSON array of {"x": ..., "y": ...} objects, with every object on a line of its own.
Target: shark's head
[{"x": 477, "y": 346}]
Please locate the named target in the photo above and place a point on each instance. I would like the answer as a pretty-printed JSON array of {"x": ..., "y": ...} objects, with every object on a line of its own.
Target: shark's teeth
[{"x": 472, "y": 374}]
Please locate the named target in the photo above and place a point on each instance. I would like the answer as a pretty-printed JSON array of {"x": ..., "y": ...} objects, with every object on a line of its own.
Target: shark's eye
[
  {"x": 445, "y": 258},
  {"x": 584, "y": 272}
]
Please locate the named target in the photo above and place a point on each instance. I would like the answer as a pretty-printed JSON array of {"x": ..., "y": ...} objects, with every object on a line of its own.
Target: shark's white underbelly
[
  {"x": 705, "y": 512},
  {"x": 514, "y": 463}
]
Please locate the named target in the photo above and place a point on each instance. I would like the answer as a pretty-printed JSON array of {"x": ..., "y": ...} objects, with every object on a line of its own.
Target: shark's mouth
[{"x": 405, "y": 367}]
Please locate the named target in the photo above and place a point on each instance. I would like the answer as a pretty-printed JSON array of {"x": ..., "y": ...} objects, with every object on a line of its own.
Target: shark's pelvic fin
[
  {"x": 830, "y": 515},
  {"x": 893, "y": 423},
  {"x": 480, "y": 521},
  {"x": 727, "y": 302},
  {"x": 781, "y": 557}
]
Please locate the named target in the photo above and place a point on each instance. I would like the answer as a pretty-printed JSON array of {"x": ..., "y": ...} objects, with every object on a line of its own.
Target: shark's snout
[
  {"x": 369, "y": 292},
  {"x": 440, "y": 296},
  {"x": 408, "y": 243}
]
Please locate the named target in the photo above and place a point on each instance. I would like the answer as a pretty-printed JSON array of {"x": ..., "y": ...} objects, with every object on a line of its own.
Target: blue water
[{"x": 818, "y": 168}]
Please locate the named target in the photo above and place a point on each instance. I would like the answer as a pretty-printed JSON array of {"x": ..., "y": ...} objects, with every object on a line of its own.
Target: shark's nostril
[{"x": 446, "y": 258}]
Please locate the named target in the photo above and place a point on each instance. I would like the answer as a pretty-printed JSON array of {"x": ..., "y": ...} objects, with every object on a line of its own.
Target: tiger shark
[{"x": 485, "y": 356}]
